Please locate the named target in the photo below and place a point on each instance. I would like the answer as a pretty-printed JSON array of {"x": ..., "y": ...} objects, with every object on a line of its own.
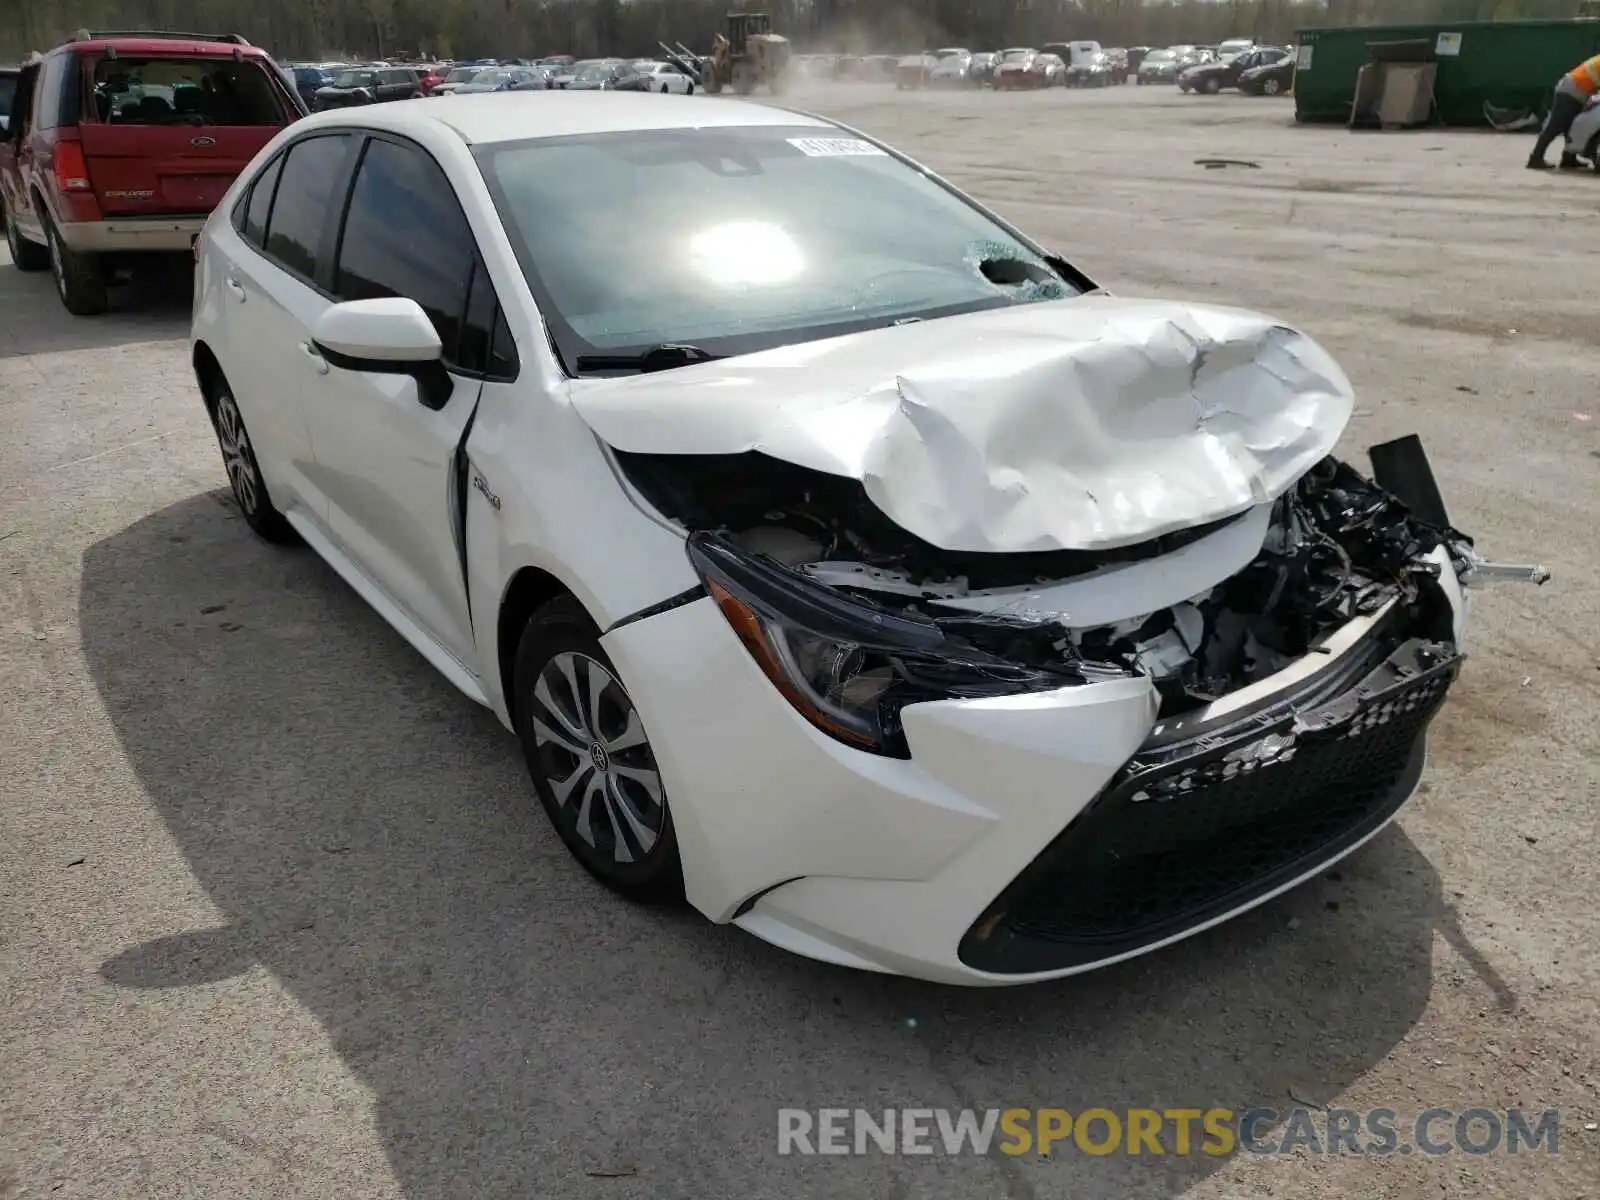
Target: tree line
[{"x": 326, "y": 29}]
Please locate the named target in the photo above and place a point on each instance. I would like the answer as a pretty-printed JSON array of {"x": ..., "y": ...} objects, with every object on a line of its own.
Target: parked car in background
[
  {"x": 562, "y": 79},
  {"x": 1225, "y": 72},
  {"x": 1118, "y": 58},
  {"x": 1096, "y": 70},
  {"x": 1048, "y": 70},
  {"x": 1072, "y": 54},
  {"x": 1158, "y": 66},
  {"x": 431, "y": 75},
  {"x": 507, "y": 79},
  {"x": 368, "y": 85},
  {"x": 610, "y": 76},
  {"x": 1232, "y": 47},
  {"x": 123, "y": 144},
  {"x": 307, "y": 79},
  {"x": 951, "y": 68},
  {"x": 666, "y": 77},
  {"x": 8, "y": 94},
  {"x": 456, "y": 79},
  {"x": 1012, "y": 67},
  {"x": 981, "y": 72},
  {"x": 912, "y": 71},
  {"x": 1135, "y": 57},
  {"x": 1274, "y": 78}
]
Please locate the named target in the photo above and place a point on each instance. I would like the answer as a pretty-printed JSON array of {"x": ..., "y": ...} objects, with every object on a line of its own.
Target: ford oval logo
[{"x": 203, "y": 141}]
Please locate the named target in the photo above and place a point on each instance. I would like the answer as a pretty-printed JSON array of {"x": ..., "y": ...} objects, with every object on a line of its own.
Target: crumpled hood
[{"x": 1079, "y": 424}]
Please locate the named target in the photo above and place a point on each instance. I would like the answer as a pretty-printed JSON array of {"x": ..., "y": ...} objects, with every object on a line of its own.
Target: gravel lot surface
[{"x": 279, "y": 917}]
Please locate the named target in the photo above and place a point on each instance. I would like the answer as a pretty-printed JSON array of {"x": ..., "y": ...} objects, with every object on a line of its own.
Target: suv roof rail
[{"x": 89, "y": 35}]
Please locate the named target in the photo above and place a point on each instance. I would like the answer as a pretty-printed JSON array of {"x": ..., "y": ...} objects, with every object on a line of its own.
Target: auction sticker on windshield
[{"x": 824, "y": 147}]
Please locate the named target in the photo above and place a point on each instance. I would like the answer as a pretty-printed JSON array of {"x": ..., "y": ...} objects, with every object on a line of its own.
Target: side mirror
[{"x": 386, "y": 337}]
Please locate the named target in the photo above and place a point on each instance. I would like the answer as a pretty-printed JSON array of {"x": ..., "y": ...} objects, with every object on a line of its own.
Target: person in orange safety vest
[{"x": 1572, "y": 93}]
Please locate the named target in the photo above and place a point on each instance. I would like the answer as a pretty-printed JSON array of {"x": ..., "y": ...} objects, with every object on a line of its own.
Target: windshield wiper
[{"x": 658, "y": 358}]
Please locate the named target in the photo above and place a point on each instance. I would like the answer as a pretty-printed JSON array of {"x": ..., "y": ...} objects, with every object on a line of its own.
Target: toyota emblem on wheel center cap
[{"x": 602, "y": 760}]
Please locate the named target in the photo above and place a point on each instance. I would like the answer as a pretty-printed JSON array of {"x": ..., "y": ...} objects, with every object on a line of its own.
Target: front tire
[
  {"x": 79, "y": 280},
  {"x": 1211, "y": 87},
  {"x": 28, "y": 256},
  {"x": 1271, "y": 87},
  {"x": 590, "y": 757},
  {"x": 244, "y": 471}
]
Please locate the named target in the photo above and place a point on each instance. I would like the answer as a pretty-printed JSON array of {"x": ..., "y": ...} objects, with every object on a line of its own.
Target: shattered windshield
[{"x": 740, "y": 239}]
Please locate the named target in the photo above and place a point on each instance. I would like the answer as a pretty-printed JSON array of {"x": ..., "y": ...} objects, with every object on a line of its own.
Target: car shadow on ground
[
  {"x": 370, "y": 836},
  {"x": 153, "y": 306}
]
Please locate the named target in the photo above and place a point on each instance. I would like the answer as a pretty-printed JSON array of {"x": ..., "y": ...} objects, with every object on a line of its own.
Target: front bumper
[{"x": 1027, "y": 837}]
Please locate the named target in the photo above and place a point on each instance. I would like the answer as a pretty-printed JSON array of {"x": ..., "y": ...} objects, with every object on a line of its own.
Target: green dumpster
[{"x": 1510, "y": 64}]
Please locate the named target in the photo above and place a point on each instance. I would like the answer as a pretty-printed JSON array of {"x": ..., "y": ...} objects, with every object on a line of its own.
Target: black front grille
[{"x": 1190, "y": 829}]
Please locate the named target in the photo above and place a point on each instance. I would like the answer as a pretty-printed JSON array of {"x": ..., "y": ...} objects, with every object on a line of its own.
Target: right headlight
[{"x": 847, "y": 666}]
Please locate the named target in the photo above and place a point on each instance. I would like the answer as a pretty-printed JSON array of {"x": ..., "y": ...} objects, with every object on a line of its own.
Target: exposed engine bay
[{"x": 1336, "y": 546}]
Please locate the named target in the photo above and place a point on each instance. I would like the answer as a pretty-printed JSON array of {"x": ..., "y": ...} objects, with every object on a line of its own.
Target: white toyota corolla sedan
[{"x": 844, "y": 561}]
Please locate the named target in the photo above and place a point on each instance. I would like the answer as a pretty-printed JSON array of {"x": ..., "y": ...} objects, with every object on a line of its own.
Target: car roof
[
  {"x": 513, "y": 117},
  {"x": 155, "y": 45}
]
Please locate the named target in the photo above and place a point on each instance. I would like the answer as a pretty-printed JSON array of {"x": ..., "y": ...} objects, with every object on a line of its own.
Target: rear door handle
[
  {"x": 311, "y": 352},
  {"x": 235, "y": 289}
]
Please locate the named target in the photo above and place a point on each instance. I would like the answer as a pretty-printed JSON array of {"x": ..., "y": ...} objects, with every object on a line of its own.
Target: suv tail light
[{"x": 72, "y": 170}]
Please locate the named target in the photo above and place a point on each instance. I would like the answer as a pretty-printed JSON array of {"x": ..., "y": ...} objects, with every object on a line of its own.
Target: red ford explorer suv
[{"x": 122, "y": 143}]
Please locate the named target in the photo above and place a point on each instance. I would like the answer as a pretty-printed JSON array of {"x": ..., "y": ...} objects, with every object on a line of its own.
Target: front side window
[
  {"x": 8, "y": 94},
  {"x": 405, "y": 235},
  {"x": 356, "y": 79},
  {"x": 736, "y": 239},
  {"x": 185, "y": 91},
  {"x": 311, "y": 171}
]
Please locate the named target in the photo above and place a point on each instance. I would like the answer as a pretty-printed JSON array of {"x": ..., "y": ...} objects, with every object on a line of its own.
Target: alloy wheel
[
  {"x": 596, "y": 758},
  {"x": 236, "y": 455},
  {"x": 1270, "y": 87}
]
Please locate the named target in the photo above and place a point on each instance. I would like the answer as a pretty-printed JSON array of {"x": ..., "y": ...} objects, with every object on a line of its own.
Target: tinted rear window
[
  {"x": 8, "y": 93},
  {"x": 185, "y": 91}
]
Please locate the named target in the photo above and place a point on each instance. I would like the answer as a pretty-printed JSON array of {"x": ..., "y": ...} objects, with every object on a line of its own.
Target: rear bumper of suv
[{"x": 132, "y": 235}]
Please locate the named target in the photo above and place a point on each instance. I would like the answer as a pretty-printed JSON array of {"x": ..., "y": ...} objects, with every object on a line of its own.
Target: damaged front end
[
  {"x": 1294, "y": 683},
  {"x": 854, "y": 618}
]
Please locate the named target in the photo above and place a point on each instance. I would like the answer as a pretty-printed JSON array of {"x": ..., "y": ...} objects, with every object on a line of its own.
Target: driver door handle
[
  {"x": 315, "y": 356},
  {"x": 235, "y": 289}
]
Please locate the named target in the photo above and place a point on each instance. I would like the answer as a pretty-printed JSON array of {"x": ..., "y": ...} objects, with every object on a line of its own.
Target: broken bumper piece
[{"x": 1201, "y": 824}]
